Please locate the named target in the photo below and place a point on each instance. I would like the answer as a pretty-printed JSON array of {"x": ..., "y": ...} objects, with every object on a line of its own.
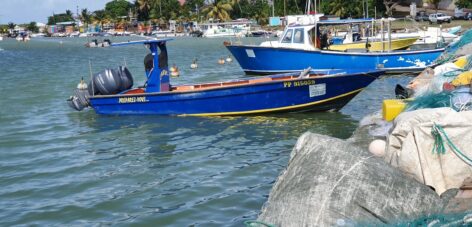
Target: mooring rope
[{"x": 439, "y": 135}]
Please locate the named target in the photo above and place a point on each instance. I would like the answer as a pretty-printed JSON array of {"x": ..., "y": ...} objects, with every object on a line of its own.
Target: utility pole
[{"x": 285, "y": 11}]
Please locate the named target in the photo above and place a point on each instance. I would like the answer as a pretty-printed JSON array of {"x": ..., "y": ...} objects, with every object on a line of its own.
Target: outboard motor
[
  {"x": 111, "y": 81},
  {"x": 107, "y": 82},
  {"x": 81, "y": 98},
  {"x": 126, "y": 78}
]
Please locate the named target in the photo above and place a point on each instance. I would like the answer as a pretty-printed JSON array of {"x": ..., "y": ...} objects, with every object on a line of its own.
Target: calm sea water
[{"x": 62, "y": 167}]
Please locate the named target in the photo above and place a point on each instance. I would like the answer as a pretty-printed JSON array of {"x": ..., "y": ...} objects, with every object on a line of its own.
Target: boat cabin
[
  {"x": 320, "y": 34},
  {"x": 156, "y": 64}
]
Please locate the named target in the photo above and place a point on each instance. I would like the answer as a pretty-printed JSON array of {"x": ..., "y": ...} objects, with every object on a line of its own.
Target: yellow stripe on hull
[
  {"x": 397, "y": 44},
  {"x": 273, "y": 109}
]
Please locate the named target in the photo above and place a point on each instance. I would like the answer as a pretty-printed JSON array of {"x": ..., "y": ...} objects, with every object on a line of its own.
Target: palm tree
[
  {"x": 343, "y": 8},
  {"x": 236, "y": 2},
  {"x": 144, "y": 5},
  {"x": 11, "y": 27},
  {"x": 219, "y": 9},
  {"x": 86, "y": 17},
  {"x": 69, "y": 14},
  {"x": 155, "y": 10},
  {"x": 100, "y": 17}
]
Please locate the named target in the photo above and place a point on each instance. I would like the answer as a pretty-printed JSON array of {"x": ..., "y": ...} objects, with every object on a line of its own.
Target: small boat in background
[
  {"x": 23, "y": 37},
  {"x": 38, "y": 35},
  {"x": 110, "y": 92},
  {"x": 95, "y": 43}
]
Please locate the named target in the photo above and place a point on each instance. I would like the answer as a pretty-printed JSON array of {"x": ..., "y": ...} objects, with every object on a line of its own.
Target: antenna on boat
[
  {"x": 124, "y": 62},
  {"x": 91, "y": 77}
]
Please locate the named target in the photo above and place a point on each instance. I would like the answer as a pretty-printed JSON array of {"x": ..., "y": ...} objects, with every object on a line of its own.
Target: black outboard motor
[
  {"x": 107, "y": 82},
  {"x": 80, "y": 99},
  {"x": 126, "y": 78},
  {"x": 111, "y": 81}
]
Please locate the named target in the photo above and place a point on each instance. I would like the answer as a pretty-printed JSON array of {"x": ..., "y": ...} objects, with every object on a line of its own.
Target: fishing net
[
  {"x": 432, "y": 84},
  {"x": 451, "y": 51},
  {"x": 460, "y": 100},
  {"x": 331, "y": 182}
]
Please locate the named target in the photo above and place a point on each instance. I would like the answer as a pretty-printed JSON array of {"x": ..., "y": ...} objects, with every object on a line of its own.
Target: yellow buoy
[
  {"x": 221, "y": 61},
  {"x": 174, "y": 71},
  {"x": 391, "y": 108},
  {"x": 461, "y": 62}
]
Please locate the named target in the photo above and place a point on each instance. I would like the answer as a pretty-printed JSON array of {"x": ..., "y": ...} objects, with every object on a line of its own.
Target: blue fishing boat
[
  {"x": 306, "y": 45},
  {"x": 111, "y": 92}
]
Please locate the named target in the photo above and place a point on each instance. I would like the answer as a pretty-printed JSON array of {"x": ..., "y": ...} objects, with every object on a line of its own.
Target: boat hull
[
  {"x": 269, "y": 60},
  {"x": 298, "y": 95},
  {"x": 396, "y": 44}
]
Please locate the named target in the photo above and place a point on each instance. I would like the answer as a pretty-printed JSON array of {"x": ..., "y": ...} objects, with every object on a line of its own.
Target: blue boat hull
[
  {"x": 268, "y": 60},
  {"x": 295, "y": 95}
]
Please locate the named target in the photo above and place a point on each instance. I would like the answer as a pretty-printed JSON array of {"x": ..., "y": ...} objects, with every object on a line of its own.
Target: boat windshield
[
  {"x": 288, "y": 36},
  {"x": 298, "y": 36}
]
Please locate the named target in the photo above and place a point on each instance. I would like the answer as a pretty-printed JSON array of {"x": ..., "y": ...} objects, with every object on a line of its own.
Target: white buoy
[
  {"x": 194, "y": 64},
  {"x": 377, "y": 148},
  {"x": 221, "y": 61},
  {"x": 82, "y": 85},
  {"x": 229, "y": 59}
]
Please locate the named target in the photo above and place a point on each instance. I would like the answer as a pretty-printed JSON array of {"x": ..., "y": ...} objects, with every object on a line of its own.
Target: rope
[
  {"x": 438, "y": 134},
  {"x": 252, "y": 223}
]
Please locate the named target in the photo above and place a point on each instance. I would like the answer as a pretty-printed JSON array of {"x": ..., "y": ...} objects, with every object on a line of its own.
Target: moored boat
[
  {"x": 296, "y": 92},
  {"x": 304, "y": 45},
  {"x": 375, "y": 44}
]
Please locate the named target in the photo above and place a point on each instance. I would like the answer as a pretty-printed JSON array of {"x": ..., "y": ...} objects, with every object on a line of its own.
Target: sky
[{"x": 25, "y": 11}]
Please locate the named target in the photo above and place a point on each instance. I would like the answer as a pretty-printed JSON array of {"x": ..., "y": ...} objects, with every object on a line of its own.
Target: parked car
[
  {"x": 421, "y": 16},
  {"x": 468, "y": 16},
  {"x": 439, "y": 18}
]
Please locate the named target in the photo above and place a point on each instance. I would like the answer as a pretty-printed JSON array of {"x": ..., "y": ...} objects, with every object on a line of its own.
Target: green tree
[
  {"x": 464, "y": 3},
  {"x": 69, "y": 13},
  {"x": 170, "y": 9},
  {"x": 252, "y": 9},
  {"x": 143, "y": 6},
  {"x": 86, "y": 17},
  {"x": 192, "y": 8},
  {"x": 342, "y": 8},
  {"x": 100, "y": 17},
  {"x": 117, "y": 8},
  {"x": 260, "y": 11},
  {"x": 11, "y": 26},
  {"x": 219, "y": 9},
  {"x": 390, "y": 5},
  {"x": 155, "y": 11},
  {"x": 57, "y": 18},
  {"x": 32, "y": 27}
]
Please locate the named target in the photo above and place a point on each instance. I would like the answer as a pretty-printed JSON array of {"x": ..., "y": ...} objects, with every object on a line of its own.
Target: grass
[{"x": 400, "y": 24}]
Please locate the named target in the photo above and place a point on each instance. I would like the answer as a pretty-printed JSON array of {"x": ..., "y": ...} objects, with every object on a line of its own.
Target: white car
[{"x": 439, "y": 18}]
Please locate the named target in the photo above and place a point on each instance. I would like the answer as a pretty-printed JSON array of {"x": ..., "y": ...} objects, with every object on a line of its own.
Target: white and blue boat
[{"x": 303, "y": 45}]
